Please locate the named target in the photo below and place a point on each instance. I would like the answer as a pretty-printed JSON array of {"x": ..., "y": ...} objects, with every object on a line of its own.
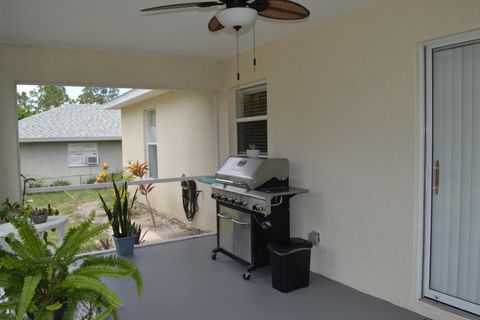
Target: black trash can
[{"x": 290, "y": 264}]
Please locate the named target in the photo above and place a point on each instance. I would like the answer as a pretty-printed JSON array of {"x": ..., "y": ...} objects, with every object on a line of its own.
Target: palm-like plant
[
  {"x": 119, "y": 214},
  {"x": 38, "y": 283}
]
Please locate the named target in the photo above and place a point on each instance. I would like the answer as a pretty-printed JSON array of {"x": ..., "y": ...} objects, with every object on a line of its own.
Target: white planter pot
[{"x": 253, "y": 153}]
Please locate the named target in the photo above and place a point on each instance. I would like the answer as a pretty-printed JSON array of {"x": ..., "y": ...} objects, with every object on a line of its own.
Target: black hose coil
[{"x": 190, "y": 198}]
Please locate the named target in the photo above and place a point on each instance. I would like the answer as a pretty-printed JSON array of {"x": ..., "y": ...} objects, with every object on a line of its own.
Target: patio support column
[{"x": 9, "y": 164}]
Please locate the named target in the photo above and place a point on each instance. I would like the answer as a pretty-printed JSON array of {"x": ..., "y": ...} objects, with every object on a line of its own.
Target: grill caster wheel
[
  {"x": 246, "y": 276},
  {"x": 214, "y": 256}
]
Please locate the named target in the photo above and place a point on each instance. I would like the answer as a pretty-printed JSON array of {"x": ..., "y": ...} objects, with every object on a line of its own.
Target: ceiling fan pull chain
[
  {"x": 254, "y": 49},
  {"x": 238, "y": 59}
]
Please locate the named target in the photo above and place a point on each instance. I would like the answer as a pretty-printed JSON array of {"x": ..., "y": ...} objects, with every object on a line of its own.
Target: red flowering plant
[{"x": 140, "y": 170}]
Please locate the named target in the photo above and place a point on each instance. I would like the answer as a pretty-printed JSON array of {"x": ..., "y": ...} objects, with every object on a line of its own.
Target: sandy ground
[{"x": 166, "y": 227}]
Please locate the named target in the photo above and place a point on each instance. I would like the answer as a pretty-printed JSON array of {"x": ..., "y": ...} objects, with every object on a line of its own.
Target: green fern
[
  {"x": 30, "y": 284},
  {"x": 37, "y": 283}
]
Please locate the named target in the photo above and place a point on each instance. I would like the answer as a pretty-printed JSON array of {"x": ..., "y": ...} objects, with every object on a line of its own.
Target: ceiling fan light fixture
[{"x": 236, "y": 17}]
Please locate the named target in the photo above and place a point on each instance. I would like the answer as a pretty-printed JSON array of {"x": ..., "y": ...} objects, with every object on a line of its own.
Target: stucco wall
[
  {"x": 185, "y": 145},
  {"x": 50, "y": 160},
  {"x": 343, "y": 107}
]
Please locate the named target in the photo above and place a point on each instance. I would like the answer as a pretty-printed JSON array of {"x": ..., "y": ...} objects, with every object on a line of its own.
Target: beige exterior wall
[
  {"x": 343, "y": 107},
  {"x": 50, "y": 160},
  {"x": 185, "y": 145}
]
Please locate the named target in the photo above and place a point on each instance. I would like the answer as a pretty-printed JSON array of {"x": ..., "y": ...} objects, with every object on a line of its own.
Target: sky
[{"x": 72, "y": 91}]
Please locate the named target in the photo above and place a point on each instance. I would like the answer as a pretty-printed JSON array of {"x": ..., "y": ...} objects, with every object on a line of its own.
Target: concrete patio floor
[{"x": 182, "y": 282}]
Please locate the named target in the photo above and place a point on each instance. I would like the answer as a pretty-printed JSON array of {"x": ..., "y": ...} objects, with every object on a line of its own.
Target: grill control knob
[
  {"x": 214, "y": 195},
  {"x": 230, "y": 200},
  {"x": 257, "y": 207},
  {"x": 241, "y": 203},
  {"x": 223, "y": 198}
]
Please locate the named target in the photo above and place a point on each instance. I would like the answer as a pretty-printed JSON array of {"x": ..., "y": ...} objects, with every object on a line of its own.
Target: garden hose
[{"x": 190, "y": 198}]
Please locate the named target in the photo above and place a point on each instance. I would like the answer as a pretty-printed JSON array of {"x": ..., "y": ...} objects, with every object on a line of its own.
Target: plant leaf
[
  {"x": 54, "y": 307},
  {"x": 119, "y": 263},
  {"x": 77, "y": 238},
  {"x": 33, "y": 244},
  {"x": 30, "y": 284},
  {"x": 88, "y": 283}
]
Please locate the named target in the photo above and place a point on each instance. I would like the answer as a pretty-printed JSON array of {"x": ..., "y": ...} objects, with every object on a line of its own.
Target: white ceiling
[{"x": 118, "y": 26}]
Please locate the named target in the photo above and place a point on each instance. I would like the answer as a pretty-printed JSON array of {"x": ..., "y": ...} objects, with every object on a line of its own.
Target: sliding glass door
[{"x": 452, "y": 260}]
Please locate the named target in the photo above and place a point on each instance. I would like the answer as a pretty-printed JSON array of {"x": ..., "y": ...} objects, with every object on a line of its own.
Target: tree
[
  {"x": 25, "y": 106},
  {"x": 100, "y": 95},
  {"x": 41, "y": 99},
  {"x": 47, "y": 97}
]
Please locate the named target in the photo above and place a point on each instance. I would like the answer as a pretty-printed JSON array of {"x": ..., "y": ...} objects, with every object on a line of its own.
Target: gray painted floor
[{"x": 181, "y": 282}]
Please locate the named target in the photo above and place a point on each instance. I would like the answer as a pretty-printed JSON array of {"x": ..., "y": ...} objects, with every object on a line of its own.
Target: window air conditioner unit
[{"x": 92, "y": 159}]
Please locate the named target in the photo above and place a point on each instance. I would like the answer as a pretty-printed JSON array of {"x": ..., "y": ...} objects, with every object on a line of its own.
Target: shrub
[
  {"x": 38, "y": 183},
  {"x": 92, "y": 180},
  {"x": 60, "y": 183}
]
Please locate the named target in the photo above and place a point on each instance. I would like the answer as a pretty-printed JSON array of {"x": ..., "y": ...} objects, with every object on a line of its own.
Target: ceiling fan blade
[
  {"x": 183, "y": 5},
  {"x": 215, "y": 25},
  {"x": 284, "y": 10}
]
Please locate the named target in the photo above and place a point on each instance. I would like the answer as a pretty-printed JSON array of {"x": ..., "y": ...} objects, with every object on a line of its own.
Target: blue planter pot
[
  {"x": 125, "y": 245},
  {"x": 58, "y": 315}
]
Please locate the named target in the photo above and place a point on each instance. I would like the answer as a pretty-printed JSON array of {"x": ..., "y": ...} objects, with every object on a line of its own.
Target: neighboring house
[
  {"x": 70, "y": 143},
  {"x": 174, "y": 132}
]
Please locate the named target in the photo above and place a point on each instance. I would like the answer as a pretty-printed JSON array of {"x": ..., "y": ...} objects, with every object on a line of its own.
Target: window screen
[
  {"x": 152, "y": 143},
  {"x": 252, "y": 119},
  {"x": 252, "y": 133}
]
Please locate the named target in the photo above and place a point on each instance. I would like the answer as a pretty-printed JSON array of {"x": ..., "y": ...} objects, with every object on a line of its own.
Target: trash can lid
[{"x": 295, "y": 244}]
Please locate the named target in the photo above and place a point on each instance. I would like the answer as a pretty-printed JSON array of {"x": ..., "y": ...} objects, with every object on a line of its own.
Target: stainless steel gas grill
[{"x": 253, "y": 208}]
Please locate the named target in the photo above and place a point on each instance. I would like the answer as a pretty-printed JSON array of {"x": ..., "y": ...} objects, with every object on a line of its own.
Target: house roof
[{"x": 73, "y": 122}]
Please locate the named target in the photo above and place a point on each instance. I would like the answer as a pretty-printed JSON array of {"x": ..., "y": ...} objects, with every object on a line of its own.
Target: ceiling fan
[{"x": 240, "y": 13}]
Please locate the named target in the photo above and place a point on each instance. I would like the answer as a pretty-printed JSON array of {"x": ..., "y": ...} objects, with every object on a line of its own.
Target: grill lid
[{"x": 253, "y": 173}]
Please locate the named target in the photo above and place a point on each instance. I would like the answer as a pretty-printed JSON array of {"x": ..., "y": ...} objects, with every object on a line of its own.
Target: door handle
[
  {"x": 436, "y": 170},
  {"x": 240, "y": 222},
  {"x": 224, "y": 216}
]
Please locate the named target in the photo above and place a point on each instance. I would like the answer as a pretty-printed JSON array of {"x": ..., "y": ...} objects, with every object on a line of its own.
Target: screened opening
[{"x": 74, "y": 141}]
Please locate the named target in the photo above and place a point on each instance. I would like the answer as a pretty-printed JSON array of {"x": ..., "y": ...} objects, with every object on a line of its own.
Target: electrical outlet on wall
[{"x": 314, "y": 238}]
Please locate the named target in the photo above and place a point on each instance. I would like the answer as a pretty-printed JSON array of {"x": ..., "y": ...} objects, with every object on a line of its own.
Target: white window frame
[
  {"x": 426, "y": 116},
  {"x": 148, "y": 143},
  {"x": 248, "y": 119},
  {"x": 85, "y": 154}
]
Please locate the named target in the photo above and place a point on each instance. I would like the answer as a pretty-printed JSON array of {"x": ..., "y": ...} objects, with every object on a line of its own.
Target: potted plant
[
  {"x": 39, "y": 215},
  {"x": 40, "y": 284},
  {"x": 252, "y": 151},
  {"x": 119, "y": 216}
]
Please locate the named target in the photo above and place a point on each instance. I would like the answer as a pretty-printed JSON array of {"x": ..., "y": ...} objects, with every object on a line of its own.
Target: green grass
[{"x": 66, "y": 202}]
